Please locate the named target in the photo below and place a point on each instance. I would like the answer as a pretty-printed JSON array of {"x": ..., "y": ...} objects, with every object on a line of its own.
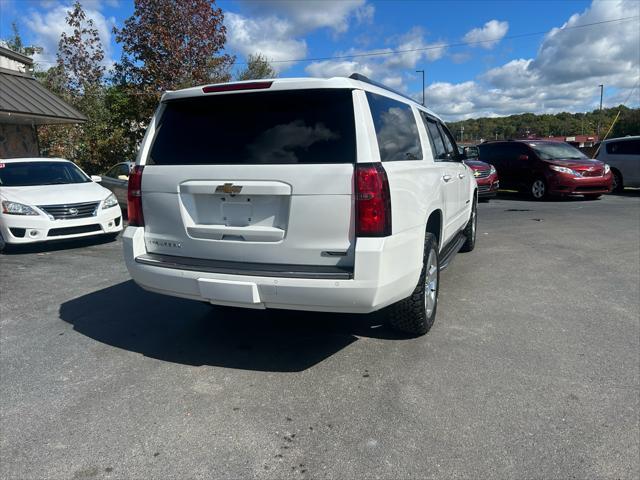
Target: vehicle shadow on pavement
[{"x": 193, "y": 333}]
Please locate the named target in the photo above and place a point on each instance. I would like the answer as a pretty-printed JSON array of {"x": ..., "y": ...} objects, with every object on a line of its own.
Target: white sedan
[{"x": 45, "y": 199}]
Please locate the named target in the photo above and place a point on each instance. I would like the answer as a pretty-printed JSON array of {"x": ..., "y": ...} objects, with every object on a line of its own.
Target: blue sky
[{"x": 557, "y": 70}]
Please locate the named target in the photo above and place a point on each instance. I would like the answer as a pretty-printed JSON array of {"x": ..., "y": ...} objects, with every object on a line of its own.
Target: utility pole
[
  {"x": 600, "y": 114},
  {"x": 461, "y": 134},
  {"x": 422, "y": 72}
]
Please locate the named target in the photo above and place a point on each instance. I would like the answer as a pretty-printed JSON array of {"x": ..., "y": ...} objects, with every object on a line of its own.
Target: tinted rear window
[
  {"x": 285, "y": 127},
  {"x": 396, "y": 129}
]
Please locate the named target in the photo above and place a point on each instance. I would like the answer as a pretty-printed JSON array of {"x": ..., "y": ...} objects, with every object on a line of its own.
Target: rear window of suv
[{"x": 282, "y": 127}]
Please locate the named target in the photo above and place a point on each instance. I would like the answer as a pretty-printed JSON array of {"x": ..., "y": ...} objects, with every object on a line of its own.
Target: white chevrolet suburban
[{"x": 336, "y": 195}]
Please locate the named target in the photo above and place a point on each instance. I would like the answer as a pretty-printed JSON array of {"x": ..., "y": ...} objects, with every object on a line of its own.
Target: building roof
[
  {"x": 24, "y": 100},
  {"x": 6, "y": 52}
]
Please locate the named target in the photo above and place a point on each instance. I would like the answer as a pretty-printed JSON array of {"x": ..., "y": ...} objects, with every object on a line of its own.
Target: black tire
[
  {"x": 2, "y": 243},
  {"x": 618, "y": 185},
  {"x": 538, "y": 189},
  {"x": 411, "y": 315},
  {"x": 593, "y": 197},
  {"x": 470, "y": 230},
  {"x": 111, "y": 236}
]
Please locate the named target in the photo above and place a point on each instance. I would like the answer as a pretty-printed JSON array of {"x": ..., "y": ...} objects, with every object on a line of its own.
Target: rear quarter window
[
  {"x": 280, "y": 127},
  {"x": 626, "y": 147},
  {"x": 396, "y": 129}
]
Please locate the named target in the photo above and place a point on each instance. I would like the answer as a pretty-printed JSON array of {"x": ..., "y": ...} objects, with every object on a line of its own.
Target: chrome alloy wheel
[
  {"x": 431, "y": 284},
  {"x": 538, "y": 189}
]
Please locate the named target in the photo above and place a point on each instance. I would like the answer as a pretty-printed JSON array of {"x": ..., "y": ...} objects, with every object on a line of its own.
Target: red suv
[
  {"x": 486, "y": 178},
  {"x": 543, "y": 168}
]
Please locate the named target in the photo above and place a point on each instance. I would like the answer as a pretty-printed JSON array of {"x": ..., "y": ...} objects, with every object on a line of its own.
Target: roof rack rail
[{"x": 362, "y": 78}]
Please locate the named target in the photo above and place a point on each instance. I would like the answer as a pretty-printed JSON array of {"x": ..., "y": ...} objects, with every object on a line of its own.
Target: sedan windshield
[
  {"x": 25, "y": 174},
  {"x": 549, "y": 151}
]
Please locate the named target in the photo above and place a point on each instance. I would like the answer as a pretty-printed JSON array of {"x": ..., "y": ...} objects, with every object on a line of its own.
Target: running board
[{"x": 450, "y": 250}]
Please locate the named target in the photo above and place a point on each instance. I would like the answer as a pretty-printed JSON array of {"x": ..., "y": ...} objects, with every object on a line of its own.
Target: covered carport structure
[{"x": 25, "y": 104}]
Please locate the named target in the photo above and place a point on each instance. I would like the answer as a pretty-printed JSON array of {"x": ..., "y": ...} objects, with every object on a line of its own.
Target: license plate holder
[{"x": 229, "y": 291}]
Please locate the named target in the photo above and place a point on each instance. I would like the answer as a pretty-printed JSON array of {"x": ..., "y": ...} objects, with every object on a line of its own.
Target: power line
[
  {"x": 434, "y": 47},
  {"x": 631, "y": 93},
  {"x": 446, "y": 45}
]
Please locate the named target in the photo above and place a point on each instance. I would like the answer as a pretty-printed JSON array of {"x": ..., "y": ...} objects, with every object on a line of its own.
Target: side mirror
[
  {"x": 523, "y": 157},
  {"x": 96, "y": 178}
]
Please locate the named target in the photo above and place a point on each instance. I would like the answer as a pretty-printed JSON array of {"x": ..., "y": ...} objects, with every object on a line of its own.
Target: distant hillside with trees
[{"x": 560, "y": 124}]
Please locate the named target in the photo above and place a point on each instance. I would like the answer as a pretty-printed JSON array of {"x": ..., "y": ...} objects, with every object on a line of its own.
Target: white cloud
[
  {"x": 564, "y": 75},
  {"x": 276, "y": 29},
  {"x": 388, "y": 69},
  {"x": 418, "y": 50},
  {"x": 309, "y": 15},
  {"x": 365, "y": 14},
  {"x": 47, "y": 27},
  {"x": 344, "y": 68},
  {"x": 490, "y": 34},
  {"x": 596, "y": 52},
  {"x": 270, "y": 36}
]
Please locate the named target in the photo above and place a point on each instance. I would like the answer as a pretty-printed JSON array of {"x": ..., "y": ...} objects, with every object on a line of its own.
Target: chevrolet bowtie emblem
[
  {"x": 476, "y": 173},
  {"x": 229, "y": 188}
]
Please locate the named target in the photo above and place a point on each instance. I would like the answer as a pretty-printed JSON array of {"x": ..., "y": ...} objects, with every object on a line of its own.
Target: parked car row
[
  {"x": 336, "y": 195},
  {"x": 543, "y": 168}
]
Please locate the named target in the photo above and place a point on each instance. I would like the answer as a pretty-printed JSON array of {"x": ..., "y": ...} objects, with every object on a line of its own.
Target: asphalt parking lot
[{"x": 531, "y": 370}]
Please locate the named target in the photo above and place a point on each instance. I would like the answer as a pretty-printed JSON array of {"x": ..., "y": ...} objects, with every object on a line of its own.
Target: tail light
[
  {"x": 134, "y": 198},
  {"x": 373, "y": 201}
]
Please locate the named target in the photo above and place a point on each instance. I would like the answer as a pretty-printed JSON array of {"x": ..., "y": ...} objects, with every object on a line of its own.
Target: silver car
[
  {"x": 116, "y": 179},
  {"x": 623, "y": 155}
]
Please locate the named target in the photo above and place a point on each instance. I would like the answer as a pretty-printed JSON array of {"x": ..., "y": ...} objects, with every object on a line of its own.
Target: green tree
[
  {"x": 15, "y": 43},
  {"x": 171, "y": 44},
  {"x": 78, "y": 78},
  {"x": 257, "y": 67},
  {"x": 560, "y": 124}
]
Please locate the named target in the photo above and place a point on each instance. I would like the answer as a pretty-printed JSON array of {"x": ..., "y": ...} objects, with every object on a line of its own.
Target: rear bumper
[
  {"x": 380, "y": 277},
  {"x": 21, "y": 229},
  {"x": 565, "y": 184}
]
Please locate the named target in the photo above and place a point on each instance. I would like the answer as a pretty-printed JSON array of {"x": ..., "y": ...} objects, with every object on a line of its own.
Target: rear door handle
[
  {"x": 446, "y": 178},
  {"x": 461, "y": 175}
]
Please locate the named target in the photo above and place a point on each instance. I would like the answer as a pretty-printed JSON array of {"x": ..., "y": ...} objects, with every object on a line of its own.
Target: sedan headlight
[
  {"x": 607, "y": 168},
  {"x": 15, "y": 208},
  {"x": 110, "y": 201},
  {"x": 560, "y": 169},
  {"x": 493, "y": 170}
]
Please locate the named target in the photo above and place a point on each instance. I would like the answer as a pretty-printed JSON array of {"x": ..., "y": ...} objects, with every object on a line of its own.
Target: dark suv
[{"x": 543, "y": 167}]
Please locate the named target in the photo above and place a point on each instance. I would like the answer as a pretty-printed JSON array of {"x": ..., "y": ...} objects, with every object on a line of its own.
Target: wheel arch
[
  {"x": 617, "y": 170},
  {"x": 435, "y": 224}
]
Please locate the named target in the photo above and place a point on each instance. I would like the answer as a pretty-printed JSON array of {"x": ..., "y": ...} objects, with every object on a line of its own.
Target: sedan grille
[
  {"x": 58, "y": 232},
  {"x": 71, "y": 210},
  {"x": 482, "y": 173}
]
